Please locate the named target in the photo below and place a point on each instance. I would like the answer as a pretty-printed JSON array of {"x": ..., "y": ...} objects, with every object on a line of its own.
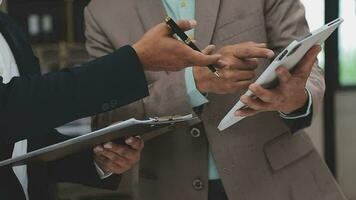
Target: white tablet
[{"x": 288, "y": 58}]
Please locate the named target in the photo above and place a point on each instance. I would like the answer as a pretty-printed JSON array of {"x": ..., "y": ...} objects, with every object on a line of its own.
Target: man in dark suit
[{"x": 32, "y": 105}]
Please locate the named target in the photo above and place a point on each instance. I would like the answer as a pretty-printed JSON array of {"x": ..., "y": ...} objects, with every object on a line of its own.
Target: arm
[
  {"x": 167, "y": 93},
  {"x": 285, "y": 21},
  {"x": 40, "y": 103}
]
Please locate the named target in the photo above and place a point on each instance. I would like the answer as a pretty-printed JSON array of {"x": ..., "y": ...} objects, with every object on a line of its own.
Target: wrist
[
  {"x": 199, "y": 80},
  {"x": 303, "y": 102},
  {"x": 140, "y": 53}
]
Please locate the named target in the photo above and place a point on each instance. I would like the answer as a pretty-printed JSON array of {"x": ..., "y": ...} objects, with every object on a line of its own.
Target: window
[
  {"x": 347, "y": 43},
  {"x": 314, "y": 11}
]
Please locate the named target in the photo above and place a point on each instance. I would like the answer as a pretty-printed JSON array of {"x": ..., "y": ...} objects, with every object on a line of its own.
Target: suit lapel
[
  {"x": 151, "y": 12},
  {"x": 206, "y": 14}
]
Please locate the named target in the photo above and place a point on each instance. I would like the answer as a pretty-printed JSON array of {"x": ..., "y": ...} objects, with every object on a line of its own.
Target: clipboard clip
[{"x": 173, "y": 118}]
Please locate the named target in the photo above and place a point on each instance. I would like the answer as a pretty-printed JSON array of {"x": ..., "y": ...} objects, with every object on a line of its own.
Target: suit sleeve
[
  {"x": 42, "y": 102},
  {"x": 168, "y": 95},
  {"x": 78, "y": 168},
  {"x": 285, "y": 22}
]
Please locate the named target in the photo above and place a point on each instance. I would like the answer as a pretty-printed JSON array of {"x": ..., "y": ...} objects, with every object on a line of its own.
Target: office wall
[{"x": 346, "y": 141}]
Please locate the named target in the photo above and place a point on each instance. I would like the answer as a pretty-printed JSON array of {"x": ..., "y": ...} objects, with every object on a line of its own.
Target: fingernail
[
  {"x": 108, "y": 145},
  {"x": 130, "y": 140},
  {"x": 270, "y": 54},
  {"x": 98, "y": 149},
  {"x": 279, "y": 70},
  {"x": 221, "y": 63},
  {"x": 193, "y": 22},
  {"x": 238, "y": 113}
]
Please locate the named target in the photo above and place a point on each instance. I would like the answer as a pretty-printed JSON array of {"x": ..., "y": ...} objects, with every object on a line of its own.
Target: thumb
[
  {"x": 305, "y": 66},
  {"x": 200, "y": 59},
  {"x": 187, "y": 25}
]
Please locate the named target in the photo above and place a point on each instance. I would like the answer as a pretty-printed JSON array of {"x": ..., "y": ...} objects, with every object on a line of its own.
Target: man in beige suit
[{"x": 265, "y": 156}]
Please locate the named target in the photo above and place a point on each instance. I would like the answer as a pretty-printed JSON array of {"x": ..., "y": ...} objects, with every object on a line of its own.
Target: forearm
[{"x": 40, "y": 103}]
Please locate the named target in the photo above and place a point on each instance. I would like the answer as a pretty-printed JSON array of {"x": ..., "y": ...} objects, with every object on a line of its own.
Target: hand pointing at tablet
[{"x": 289, "y": 96}]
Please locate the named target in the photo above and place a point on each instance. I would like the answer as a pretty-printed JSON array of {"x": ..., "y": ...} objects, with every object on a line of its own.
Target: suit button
[
  {"x": 113, "y": 103},
  {"x": 195, "y": 132},
  {"x": 105, "y": 106},
  {"x": 198, "y": 184}
]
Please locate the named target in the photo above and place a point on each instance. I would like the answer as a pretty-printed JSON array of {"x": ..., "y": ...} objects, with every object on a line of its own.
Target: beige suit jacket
[{"x": 258, "y": 158}]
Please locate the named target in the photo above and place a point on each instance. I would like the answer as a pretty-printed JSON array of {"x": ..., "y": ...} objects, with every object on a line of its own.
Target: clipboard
[
  {"x": 131, "y": 127},
  {"x": 288, "y": 58}
]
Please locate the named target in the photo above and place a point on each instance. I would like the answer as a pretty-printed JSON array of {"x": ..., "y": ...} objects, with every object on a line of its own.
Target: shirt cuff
[
  {"x": 196, "y": 98},
  {"x": 101, "y": 173},
  {"x": 300, "y": 114}
]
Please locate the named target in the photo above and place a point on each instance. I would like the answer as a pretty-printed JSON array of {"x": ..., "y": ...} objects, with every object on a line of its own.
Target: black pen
[{"x": 186, "y": 39}]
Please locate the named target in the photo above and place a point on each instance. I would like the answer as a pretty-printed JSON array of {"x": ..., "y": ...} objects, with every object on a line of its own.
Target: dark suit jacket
[{"x": 33, "y": 104}]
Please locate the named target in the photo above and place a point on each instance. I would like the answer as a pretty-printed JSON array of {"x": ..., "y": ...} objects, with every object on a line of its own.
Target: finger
[
  {"x": 112, "y": 155},
  {"x": 186, "y": 25},
  {"x": 135, "y": 143},
  {"x": 199, "y": 59},
  {"x": 109, "y": 167},
  {"x": 255, "y": 104},
  {"x": 241, "y": 64},
  {"x": 237, "y": 86},
  {"x": 121, "y": 150},
  {"x": 208, "y": 50},
  {"x": 117, "y": 149},
  {"x": 223, "y": 64},
  {"x": 265, "y": 95},
  {"x": 251, "y": 63},
  {"x": 237, "y": 75},
  {"x": 261, "y": 45},
  {"x": 98, "y": 149},
  {"x": 305, "y": 66},
  {"x": 253, "y": 52},
  {"x": 283, "y": 75},
  {"x": 246, "y": 112}
]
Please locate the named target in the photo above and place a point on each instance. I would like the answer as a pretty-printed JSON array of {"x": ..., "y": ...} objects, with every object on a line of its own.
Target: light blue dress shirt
[{"x": 185, "y": 9}]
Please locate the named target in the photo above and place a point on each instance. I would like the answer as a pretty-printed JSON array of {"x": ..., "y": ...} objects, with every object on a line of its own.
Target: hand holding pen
[
  {"x": 158, "y": 50},
  {"x": 187, "y": 40}
]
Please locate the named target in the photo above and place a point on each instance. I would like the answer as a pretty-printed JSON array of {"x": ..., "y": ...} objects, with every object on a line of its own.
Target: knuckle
[
  {"x": 226, "y": 74},
  {"x": 248, "y": 52},
  {"x": 250, "y": 74},
  {"x": 116, "y": 160}
]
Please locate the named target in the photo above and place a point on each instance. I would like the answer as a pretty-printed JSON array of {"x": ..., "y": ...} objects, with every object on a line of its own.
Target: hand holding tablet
[{"x": 299, "y": 53}]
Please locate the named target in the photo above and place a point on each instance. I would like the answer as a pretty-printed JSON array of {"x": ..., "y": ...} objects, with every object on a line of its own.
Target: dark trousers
[{"x": 216, "y": 191}]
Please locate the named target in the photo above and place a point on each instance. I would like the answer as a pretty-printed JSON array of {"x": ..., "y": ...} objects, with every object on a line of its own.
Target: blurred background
[{"x": 56, "y": 30}]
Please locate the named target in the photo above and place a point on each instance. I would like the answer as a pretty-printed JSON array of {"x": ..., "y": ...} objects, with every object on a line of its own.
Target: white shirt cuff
[
  {"x": 307, "y": 112},
  {"x": 101, "y": 173}
]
